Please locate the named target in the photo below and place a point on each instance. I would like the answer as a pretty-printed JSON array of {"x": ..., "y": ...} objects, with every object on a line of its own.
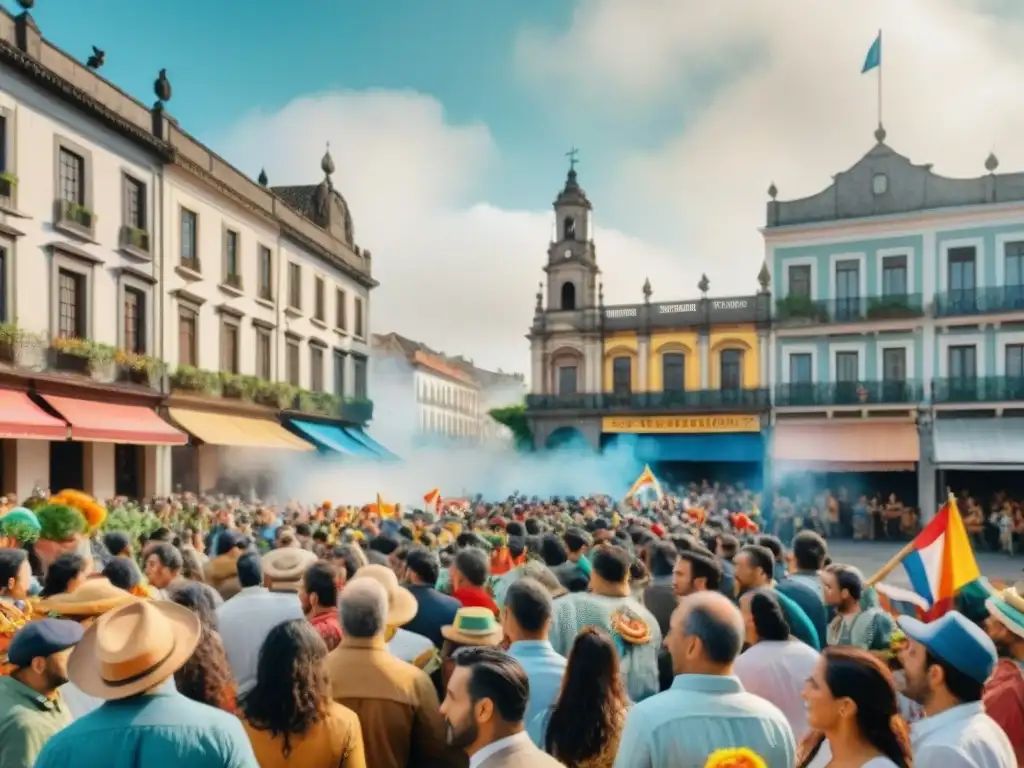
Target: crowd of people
[{"x": 580, "y": 632}]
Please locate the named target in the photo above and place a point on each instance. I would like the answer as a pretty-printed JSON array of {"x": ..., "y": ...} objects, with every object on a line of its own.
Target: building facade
[
  {"x": 899, "y": 323},
  {"x": 156, "y": 304},
  {"x": 682, "y": 380}
]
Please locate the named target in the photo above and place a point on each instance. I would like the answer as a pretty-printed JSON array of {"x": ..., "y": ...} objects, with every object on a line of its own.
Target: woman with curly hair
[
  {"x": 206, "y": 677},
  {"x": 289, "y": 714},
  {"x": 583, "y": 729}
]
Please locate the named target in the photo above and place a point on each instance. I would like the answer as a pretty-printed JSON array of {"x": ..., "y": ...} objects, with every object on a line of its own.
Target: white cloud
[
  {"x": 795, "y": 108},
  {"x": 456, "y": 274}
]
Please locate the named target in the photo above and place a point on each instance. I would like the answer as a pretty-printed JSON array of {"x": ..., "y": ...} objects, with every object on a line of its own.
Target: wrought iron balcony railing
[
  {"x": 798, "y": 309},
  {"x": 666, "y": 401},
  {"x": 978, "y": 389},
  {"x": 980, "y": 301},
  {"x": 849, "y": 393}
]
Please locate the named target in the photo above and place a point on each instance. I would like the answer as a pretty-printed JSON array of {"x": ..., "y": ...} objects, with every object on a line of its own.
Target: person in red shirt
[
  {"x": 1003, "y": 695},
  {"x": 318, "y": 593},
  {"x": 469, "y": 572}
]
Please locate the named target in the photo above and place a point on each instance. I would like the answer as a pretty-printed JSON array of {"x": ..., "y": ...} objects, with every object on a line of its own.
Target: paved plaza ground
[{"x": 869, "y": 556}]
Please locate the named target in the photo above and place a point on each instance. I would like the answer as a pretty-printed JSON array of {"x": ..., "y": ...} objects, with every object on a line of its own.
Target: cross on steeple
[{"x": 571, "y": 154}]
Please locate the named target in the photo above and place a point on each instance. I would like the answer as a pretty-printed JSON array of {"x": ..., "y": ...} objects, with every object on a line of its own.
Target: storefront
[
  {"x": 333, "y": 437},
  {"x": 980, "y": 456}
]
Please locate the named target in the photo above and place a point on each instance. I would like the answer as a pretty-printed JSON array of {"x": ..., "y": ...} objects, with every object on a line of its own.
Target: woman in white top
[{"x": 853, "y": 713}]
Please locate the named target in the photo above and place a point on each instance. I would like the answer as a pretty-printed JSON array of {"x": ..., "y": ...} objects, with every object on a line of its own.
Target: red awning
[
  {"x": 95, "y": 421},
  {"x": 20, "y": 418}
]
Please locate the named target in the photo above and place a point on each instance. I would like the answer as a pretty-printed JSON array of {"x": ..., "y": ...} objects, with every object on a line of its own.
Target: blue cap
[
  {"x": 42, "y": 638},
  {"x": 956, "y": 640}
]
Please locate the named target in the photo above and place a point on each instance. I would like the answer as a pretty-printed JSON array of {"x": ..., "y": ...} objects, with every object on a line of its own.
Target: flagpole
[{"x": 880, "y": 55}]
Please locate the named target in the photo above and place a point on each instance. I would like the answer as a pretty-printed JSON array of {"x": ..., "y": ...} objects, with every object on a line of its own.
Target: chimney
[{"x": 27, "y": 36}]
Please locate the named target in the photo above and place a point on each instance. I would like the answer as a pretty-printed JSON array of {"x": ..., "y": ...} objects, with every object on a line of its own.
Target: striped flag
[
  {"x": 433, "y": 499},
  {"x": 645, "y": 481}
]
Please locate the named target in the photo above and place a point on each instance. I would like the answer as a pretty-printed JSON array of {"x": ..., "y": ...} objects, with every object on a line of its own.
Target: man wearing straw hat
[
  {"x": 128, "y": 658},
  {"x": 1003, "y": 696}
]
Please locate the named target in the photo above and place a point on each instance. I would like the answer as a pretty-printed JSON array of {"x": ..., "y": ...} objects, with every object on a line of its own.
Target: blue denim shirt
[{"x": 544, "y": 669}]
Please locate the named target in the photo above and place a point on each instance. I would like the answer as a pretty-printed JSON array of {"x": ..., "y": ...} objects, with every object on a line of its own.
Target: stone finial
[
  {"x": 773, "y": 191},
  {"x": 540, "y": 297},
  {"x": 880, "y": 134},
  {"x": 327, "y": 163},
  {"x": 27, "y": 5},
  {"x": 764, "y": 277},
  {"x": 97, "y": 59},
  {"x": 991, "y": 162},
  {"x": 600, "y": 294},
  {"x": 162, "y": 87},
  {"x": 648, "y": 291},
  {"x": 262, "y": 178},
  {"x": 703, "y": 285}
]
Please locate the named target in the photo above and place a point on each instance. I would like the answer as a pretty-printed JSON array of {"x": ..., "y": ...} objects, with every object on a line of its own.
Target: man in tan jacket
[{"x": 396, "y": 702}]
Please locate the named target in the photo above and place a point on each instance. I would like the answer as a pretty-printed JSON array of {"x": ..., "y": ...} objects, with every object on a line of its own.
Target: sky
[{"x": 449, "y": 122}]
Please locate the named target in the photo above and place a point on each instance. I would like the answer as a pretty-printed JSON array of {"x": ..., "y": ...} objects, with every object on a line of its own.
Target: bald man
[{"x": 706, "y": 709}]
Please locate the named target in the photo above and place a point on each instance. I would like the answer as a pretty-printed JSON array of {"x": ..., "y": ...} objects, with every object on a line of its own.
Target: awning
[
  {"x": 237, "y": 431},
  {"x": 357, "y": 434},
  {"x": 983, "y": 444},
  {"x": 333, "y": 438},
  {"x": 101, "y": 422},
  {"x": 739, "y": 447},
  {"x": 20, "y": 418},
  {"x": 861, "y": 446}
]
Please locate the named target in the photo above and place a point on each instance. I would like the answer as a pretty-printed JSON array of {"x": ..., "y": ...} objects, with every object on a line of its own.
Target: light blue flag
[{"x": 874, "y": 58}]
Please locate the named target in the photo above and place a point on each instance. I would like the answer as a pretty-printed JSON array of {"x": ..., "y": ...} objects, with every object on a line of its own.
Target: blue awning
[
  {"x": 368, "y": 442},
  {"x": 740, "y": 447},
  {"x": 333, "y": 439}
]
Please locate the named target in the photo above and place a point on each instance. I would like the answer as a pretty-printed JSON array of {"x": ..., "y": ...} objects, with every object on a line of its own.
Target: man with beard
[
  {"x": 946, "y": 663},
  {"x": 318, "y": 595},
  {"x": 483, "y": 711},
  {"x": 870, "y": 629},
  {"x": 1004, "y": 692},
  {"x": 31, "y": 708}
]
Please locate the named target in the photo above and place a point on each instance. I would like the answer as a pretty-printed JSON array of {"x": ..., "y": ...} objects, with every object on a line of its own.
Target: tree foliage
[{"x": 514, "y": 417}]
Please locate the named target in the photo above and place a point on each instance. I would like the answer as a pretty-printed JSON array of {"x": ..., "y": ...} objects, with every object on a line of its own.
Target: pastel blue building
[{"x": 898, "y": 327}]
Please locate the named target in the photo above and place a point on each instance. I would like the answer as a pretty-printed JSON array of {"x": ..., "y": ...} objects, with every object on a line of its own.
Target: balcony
[
  {"x": 980, "y": 301},
  {"x": 981, "y": 389},
  {"x": 797, "y": 309},
  {"x": 861, "y": 393},
  {"x": 700, "y": 400},
  {"x": 75, "y": 219},
  {"x": 135, "y": 241}
]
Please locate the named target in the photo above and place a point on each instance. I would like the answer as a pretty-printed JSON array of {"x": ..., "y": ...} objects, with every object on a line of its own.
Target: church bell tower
[{"x": 572, "y": 263}]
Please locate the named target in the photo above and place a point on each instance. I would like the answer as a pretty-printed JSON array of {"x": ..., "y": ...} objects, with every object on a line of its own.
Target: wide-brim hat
[
  {"x": 1007, "y": 607},
  {"x": 402, "y": 605},
  {"x": 96, "y": 596},
  {"x": 133, "y": 648},
  {"x": 474, "y": 626},
  {"x": 285, "y": 566}
]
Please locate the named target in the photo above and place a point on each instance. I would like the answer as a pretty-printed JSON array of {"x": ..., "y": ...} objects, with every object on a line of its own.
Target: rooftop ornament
[
  {"x": 162, "y": 89},
  {"x": 991, "y": 162},
  {"x": 764, "y": 277},
  {"x": 648, "y": 291},
  {"x": 773, "y": 191},
  {"x": 27, "y": 5},
  {"x": 703, "y": 286},
  {"x": 97, "y": 59},
  {"x": 262, "y": 179}
]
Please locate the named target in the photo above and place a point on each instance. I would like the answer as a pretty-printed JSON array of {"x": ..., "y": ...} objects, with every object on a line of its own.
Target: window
[
  {"x": 568, "y": 295},
  {"x": 3, "y": 285},
  {"x": 569, "y": 228},
  {"x": 72, "y": 177},
  {"x": 71, "y": 318},
  {"x": 188, "y": 336},
  {"x": 189, "y": 239},
  {"x": 567, "y": 377},
  {"x": 316, "y": 368},
  {"x": 894, "y": 364},
  {"x": 847, "y": 367},
  {"x": 319, "y": 310},
  {"x": 1015, "y": 361},
  {"x": 339, "y": 373},
  {"x": 229, "y": 345},
  {"x": 961, "y": 278},
  {"x": 800, "y": 280},
  {"x": 232, "y": 273},
  {"x": 295, "y": 286},
  {"x": 134, "y": 203},
  {"x": 894, "y": 276},
  {"x": 847, "y": 289},
  {"x": 673, "y": 372},
  {"x": 731, "y": 364},
  {"x": 134, "y": 321},
  {"x": 266, "y": 278},
  {"x": 341, "y": 316},
  {"x": 358, "y": 330},
  {"x": 293, "y": 361},
  {"x": 359, "y": 374},
  {"x": 263, "y": 352},
  {"x": 963, "y": 362},
  {"x": 622, "y": 375},
  {"x": 1013, "y": 276},
  {"x": 800, "y": 368},
  {"x": 3, "y": 143}
]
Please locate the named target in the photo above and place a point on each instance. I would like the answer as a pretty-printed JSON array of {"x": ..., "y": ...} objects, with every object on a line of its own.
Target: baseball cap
[
  {"x": 43, "y": 638},
  {"x": 955, "y": 640}
]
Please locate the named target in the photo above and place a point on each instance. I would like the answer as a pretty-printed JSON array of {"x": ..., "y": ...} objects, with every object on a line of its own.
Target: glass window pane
[{"x": 673, "y": 372}]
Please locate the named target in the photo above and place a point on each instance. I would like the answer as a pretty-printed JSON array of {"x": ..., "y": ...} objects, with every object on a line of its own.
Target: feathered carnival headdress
[{"x": 93, "y": 512}]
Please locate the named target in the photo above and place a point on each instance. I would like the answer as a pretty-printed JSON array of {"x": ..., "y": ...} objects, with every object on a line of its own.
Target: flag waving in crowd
[{"x": 647, "y": 480}]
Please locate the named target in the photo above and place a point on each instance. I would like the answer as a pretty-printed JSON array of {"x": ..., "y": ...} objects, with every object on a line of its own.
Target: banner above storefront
[{"x": 693, "y": 425}]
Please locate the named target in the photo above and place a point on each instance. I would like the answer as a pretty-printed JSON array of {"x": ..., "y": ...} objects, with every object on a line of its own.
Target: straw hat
[
  {"x": 133, "y": 648},
  {"x": 1007, "y": 607},
  {"x": 285, "y": 566},
  {"x": 474, "y": 626},
  {"x": 402, "y": 605},
  {"x": 96, "y": 596}
]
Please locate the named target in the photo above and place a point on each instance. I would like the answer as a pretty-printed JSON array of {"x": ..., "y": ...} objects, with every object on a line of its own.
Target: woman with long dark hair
[
  {"x": 853, "y": 713},
  {"x": 65, "y": 574},
  {"x": 583, "y": 729},
  {"x": 206, "y": 677},
  {"x": 289, "y": 714}
]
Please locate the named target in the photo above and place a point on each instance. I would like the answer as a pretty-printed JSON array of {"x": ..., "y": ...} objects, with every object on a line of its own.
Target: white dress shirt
[
  {"x": 776, "y": 670},
  {"x": 496, "y": 746},
  {"x": 961, "y": 737},
  {"x": 409, "y": 646}
]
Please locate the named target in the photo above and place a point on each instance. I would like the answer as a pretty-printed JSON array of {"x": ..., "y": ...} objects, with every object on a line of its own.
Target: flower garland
[
  {"x": 735, "y": 758},
  {"x": 93, "y": 512}
]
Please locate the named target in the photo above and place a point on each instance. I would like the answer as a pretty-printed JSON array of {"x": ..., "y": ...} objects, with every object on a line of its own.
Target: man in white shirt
[
  {"x": 247, "y": 618},
  {"x": 776, "y": 665},
  {"x": 947, "y": 663}
]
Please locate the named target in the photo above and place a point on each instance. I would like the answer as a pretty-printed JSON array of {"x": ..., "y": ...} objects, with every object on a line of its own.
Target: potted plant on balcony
[
  {"x": 891, "y": 308},
  {"x": 238, "y": 387},
  {"x": 275, "y": 394},
  {"x": 137, "y": 368},
  {"x": 8, "y": 181},
  {"x": 801, "y": 307},
  {"x": 83, "y": 356},
  {"x": 81, "y": 215},
  {"x": 15, "y": 343},
  {"x": 318, "y": 403},
  {"x": 357, "y": 410},
  {"x": 191, "y": 379}
]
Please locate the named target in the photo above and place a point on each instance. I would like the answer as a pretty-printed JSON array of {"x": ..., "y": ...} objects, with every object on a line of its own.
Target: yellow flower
[{"x": 735, "y": 758}]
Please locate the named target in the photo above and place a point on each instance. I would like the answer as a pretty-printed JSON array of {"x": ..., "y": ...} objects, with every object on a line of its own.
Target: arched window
[
  {"x": 568, "y": 295},
  {"x": 673, "y": 372},
  {"x": 569, "y": 228},
  {"x": 731, "y": 369}
]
